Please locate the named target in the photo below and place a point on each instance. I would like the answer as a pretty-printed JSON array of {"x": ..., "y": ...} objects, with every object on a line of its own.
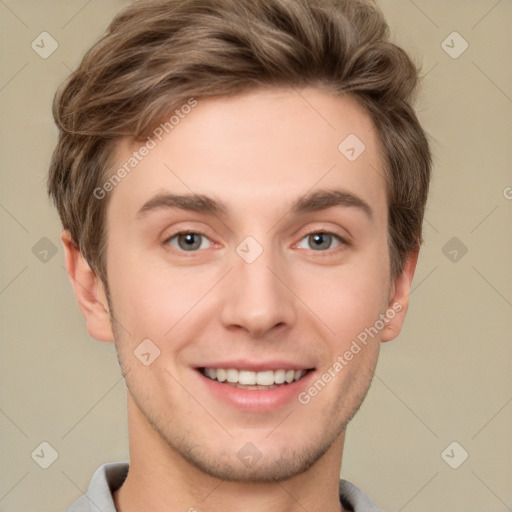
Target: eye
[
  {"x": 188, "y": 241},
  {"x": 321, "y": 241}
]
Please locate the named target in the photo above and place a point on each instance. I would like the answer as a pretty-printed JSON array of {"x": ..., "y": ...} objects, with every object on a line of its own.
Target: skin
[{"x": 257, "y": 153}]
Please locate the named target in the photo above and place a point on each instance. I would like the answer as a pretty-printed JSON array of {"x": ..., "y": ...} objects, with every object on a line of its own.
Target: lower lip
[{"x": 257, "y": 400}]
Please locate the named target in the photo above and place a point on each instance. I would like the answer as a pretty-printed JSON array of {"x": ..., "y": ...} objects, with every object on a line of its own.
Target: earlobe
[
  {"x": 89, "y": 291},
  {"x": 399, "y": 298}
]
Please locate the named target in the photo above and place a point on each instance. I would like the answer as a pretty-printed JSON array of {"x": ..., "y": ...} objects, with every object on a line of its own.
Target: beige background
[{"x": 447, "y": 378}]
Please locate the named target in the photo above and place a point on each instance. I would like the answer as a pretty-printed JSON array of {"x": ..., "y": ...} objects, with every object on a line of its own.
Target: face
[{"x": 249, "y": 247}]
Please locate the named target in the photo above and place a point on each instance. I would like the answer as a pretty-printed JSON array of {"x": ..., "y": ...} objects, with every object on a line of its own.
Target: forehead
[{"x": 259, "y": 150}]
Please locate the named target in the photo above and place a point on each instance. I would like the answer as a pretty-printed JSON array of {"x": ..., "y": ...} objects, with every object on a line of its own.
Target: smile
[{"x": 246, "y": 379}]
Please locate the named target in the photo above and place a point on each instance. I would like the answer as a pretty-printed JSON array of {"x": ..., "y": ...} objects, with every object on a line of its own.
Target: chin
[{"x": 251, "y": 465}]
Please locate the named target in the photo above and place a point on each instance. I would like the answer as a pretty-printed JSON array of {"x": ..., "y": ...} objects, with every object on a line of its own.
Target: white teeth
[
  {"x": 247, "y": 378},
  {"x": 265, "y": 378},
  {"x": 254, "y": 380},
  {"x": 279, "y": 376},
  {"x": 232, "y": 375}
]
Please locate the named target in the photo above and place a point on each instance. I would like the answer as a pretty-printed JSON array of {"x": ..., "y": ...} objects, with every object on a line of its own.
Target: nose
[{"x": 256, "y": 298}]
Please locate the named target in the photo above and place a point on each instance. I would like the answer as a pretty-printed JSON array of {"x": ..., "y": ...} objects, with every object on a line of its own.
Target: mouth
[{"x": 254, "y": 380}]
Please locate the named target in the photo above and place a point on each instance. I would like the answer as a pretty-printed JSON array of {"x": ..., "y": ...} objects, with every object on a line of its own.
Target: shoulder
[
  {"x": 106, "y": 479},
  {"x": 354, "y": 499}
]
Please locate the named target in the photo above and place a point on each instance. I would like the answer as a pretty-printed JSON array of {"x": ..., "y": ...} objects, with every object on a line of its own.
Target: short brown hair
[{"x": 157, "y": 54}]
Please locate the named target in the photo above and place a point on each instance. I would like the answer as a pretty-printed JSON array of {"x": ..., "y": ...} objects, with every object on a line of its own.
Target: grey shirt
[{"x": 109, "y": 477}]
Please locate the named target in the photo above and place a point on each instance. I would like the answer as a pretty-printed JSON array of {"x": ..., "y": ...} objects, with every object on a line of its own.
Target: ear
[
  {"x": 399, "y": 298},
  {"x": 89, "y": 291}
]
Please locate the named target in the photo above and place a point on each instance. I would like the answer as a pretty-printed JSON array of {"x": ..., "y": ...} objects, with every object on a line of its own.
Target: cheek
[
  {"x": 346, "y": 299},
  {"x": 157, "y": 297}
]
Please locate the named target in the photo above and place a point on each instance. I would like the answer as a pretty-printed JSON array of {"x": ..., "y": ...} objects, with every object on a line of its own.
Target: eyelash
[{"x": 329, "y": 252}]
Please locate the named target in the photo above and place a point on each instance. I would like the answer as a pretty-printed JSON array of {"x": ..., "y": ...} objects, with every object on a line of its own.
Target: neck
[{"x": 161, "y": 480}]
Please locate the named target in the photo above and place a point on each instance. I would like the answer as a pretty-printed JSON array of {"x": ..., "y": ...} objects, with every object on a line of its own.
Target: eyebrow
[{"x": 311, "y": 202}]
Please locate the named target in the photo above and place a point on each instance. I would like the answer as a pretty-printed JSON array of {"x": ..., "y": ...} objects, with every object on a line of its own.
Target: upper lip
[{"x": 255, "y": 366}]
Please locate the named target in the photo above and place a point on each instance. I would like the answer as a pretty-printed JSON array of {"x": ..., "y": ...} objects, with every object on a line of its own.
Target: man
[{"x": 242, "y": 186}]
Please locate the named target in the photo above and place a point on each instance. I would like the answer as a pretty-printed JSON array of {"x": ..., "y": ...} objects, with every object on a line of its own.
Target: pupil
[
  {"x": 322, "y": 240},
  {"x": 190, "y": 241}
]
